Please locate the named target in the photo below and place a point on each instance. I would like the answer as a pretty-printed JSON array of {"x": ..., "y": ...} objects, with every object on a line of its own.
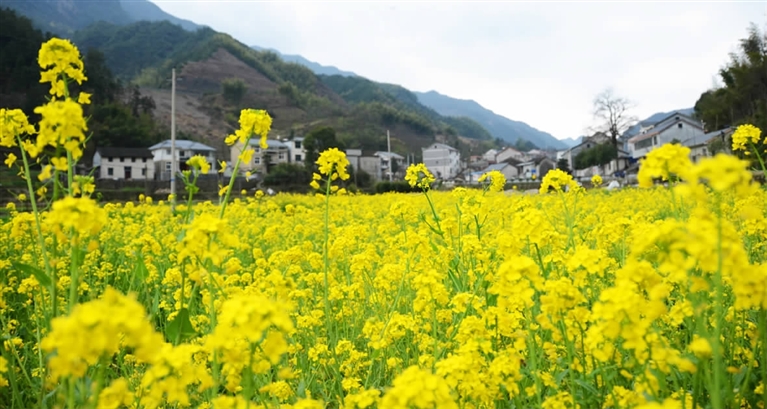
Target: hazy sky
[{"x": 540, "y": 63}]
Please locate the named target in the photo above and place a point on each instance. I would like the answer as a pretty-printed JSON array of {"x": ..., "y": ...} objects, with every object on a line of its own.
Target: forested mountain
[
  {"x": 64, "y": 17},
  {"x": 218, "y": 76}
]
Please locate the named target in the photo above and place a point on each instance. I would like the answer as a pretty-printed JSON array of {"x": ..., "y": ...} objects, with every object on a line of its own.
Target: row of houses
[
  {"x": 156, "y": 161},
  {"x": 675, "y": 128}
]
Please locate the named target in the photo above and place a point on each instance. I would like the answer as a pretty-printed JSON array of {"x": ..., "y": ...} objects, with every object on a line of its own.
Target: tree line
[{"x": 119, "y": 115}]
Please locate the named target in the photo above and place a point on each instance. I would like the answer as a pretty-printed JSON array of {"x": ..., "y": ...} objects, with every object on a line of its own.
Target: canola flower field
[{"x": 653, "y": 297}]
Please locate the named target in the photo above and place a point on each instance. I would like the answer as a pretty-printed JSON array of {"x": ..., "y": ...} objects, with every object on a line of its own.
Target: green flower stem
[
  {"x": 40, "y": 241},
  {"x": 325, "y": 258},
  {"x": 231, "y": 179},
  {"x": 70, "y": 174},
  {"x": 761, "y": 161},
  {"x": 434, "y": 213},
  {"x": 74, "y": 276}
]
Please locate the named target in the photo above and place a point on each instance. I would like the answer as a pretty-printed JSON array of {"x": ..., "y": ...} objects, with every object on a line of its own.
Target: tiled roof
[
  {"x": 182, "y": 144},
  {"x": 115, "y": 152}
]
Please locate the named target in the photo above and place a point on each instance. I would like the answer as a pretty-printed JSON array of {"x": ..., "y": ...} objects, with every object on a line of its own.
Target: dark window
[
  {"x": 110, "y": 171},
  {"x": 298, "y": 158},
  {"x": 298, "y": 144},
  {"x": 680, "y": 125}
]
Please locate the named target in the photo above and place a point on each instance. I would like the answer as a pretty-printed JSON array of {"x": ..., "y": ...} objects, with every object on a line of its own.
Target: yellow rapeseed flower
[
  {"x": 744, "y": 135},
  {"x": 107, "y": 323},
  {"x": 59, "y": 56},
  {"x": 497, "y": 180},
  {"x": 10, "y": 160},
  {"x": 663, "y": 162},
  {"x": 557, "y": 179},
  {"x": 62, "y": 125},
  {"x": 418, "y": 388},
  {"x": 200, "y": 163},
  {"x": 419, "y": 175},
  {"x": 333, "y": 163},
  {"x": 13, "y": 122}
]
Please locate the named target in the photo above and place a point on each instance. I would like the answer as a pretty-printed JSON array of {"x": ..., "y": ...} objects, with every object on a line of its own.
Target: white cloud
[{"x": 538, "y": 63}]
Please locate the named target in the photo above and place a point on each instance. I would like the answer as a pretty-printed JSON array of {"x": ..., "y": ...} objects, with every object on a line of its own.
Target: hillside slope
[
  {"x": 499, "y": 126},
  {"x": 454, "y": 111},
  {"x": 298, "y": 100}
]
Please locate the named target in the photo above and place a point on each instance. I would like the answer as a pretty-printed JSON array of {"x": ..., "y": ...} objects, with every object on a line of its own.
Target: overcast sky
[{"x": 540, "y": 63}]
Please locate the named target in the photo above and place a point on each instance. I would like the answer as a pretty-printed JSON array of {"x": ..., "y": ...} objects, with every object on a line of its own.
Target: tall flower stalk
[
  {"x": 252, "y": 122},
  {"x": 332, "y": 164},
  {"x": 418, "y": 175}
]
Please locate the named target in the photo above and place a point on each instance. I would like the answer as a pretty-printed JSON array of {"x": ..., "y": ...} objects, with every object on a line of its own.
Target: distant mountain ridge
[
  {"x": 64, "y": 17},
  {"x": 654, "y": 119},
  {"x": 499, "y": 126},
  {"x": 317, "y": 68},
  {"x": 570, "y": 142}
]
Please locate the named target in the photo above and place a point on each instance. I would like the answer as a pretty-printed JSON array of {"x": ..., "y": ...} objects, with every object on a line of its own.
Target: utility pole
[
  {"x": 173, "y": 143},
  {"x": 388, "y": 146}
]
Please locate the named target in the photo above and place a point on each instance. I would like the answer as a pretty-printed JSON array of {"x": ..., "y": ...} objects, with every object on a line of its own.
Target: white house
[
  {"x": 490, "y": 155},
  {"x": 367, "y": 162},
  {"x": 699, "y": 145},
  {"x": 443, "y": 161},
  {"x": 263, "y": 159},
  {"x": 397, "y": 161},
  {"x": 587, "y": 142},
  {"x": 297, "y": 150},
  {"x": 511, "y": 153},
  {"x": 185, "y": 149},
  {"x": 539, "y": 167},
  {"x": 123, "y": 163},
  {"x": 676, "y": 126},
  {"x": 507, "y": 169}
]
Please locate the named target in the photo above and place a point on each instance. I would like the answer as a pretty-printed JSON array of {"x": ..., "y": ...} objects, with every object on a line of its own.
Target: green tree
[
  {"x": 563, "y": 165},
  {"x": 596, "y": 156},
  {"x": 742, "y": 97},
  {"x": 319, "y": 140},
  {"x": 233, "y": 90},
  {"x": 524, "y": 145},
  {"x": 288, "y": 175}
]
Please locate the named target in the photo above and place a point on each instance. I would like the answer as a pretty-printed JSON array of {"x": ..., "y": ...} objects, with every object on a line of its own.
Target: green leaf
[
  {"x": 40, "y": 275},
  {"x": 140, "y": 272},
  {"x": 180, "y": 328}
]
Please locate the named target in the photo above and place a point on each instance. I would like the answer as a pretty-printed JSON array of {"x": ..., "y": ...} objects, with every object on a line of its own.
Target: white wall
[
  {"x": 297, "y": 151},
  {"x": 443, "y": 163},
  {"x": 683, "y": 133},
  {"x": 117, "y": 168},
  {"x": 162, "y": 161}
]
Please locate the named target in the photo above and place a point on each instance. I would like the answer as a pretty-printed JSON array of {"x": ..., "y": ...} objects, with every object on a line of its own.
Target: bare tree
[{"x": 611, "y": 112}]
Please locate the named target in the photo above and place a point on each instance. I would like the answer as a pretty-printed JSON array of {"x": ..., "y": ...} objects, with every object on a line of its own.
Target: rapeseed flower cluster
[
  {"x": 497, "y": 180},
  {"x": 418, "y": 175},
  {"x": 638, "y": 298},
  {"x": 744, "y": 136}
]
